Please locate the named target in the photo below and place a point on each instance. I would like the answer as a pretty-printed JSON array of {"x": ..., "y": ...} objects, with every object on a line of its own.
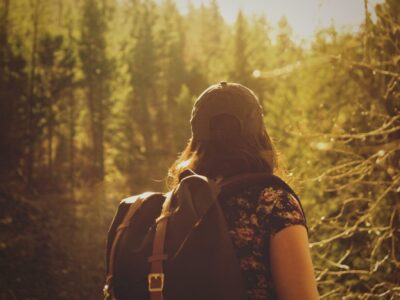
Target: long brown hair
[{"x": 226, "y": 154}]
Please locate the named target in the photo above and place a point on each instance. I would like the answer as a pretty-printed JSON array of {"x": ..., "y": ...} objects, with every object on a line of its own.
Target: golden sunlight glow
[
  {"x": 256, "y": 73},
  {"x": 183, "y": 164},
  {"x": 305, "y": 16}
]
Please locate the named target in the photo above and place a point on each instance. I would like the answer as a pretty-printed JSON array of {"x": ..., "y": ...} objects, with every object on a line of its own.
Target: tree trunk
[
  {"x": 96, "y": 125},
  {"x": 50, "y": 131},
  {"x": 71, "y": 142},
  {"x": 31, "y": 95}
]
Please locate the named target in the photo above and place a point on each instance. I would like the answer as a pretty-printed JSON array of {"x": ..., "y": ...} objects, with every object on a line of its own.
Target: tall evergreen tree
[
  {"x": 56, "y": 74},
  {"x": 13, "y": 86},
  {"x": 142, "y": 102},
  {"x": 241, "y": 71},
  {"x": 196, "y": 79},
  {"x": 170, "y": 40},
  {"x": 214, "y": 39},
  {"x": 96, "y": 71},
  {"x": 285, "y": 47}
]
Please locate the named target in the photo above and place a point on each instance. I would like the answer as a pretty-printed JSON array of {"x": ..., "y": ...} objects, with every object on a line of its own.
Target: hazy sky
[{"x": 305, "y": 16}]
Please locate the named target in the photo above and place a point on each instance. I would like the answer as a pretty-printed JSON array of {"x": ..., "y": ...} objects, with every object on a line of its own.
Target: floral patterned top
[{"x": 253, "y": 216}]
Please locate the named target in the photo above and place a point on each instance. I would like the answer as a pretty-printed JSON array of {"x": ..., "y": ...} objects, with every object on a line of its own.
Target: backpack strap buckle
[
  {"x": 106, "y": 292},
  {"x": 156, "y": 282}
]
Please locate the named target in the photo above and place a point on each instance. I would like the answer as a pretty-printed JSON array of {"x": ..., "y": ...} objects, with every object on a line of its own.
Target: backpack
[{"x": 177, "y": 245}]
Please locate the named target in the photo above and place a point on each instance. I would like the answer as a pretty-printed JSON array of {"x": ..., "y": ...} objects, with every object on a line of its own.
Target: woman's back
[{"x": 267, "y": 226}]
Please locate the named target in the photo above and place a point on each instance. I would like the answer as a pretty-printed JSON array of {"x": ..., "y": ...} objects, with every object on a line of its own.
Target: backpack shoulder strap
[
  {"x": 156, "y": 260},
  {"x": 126, "y": 210},
  {"x": 189, "y": 182}
]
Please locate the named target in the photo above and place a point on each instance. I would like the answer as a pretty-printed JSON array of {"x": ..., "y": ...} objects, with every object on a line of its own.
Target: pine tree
[
  {"x": 13, "y": 86},
  {"x": 241, "y": 70},
  {"x": 96, "y": 69},
  {"x": 56, "y": 74},
  {"x": 142, "y": 102},
  {"x": 214, "y": 39},
  {"x": 170, "y": 41}
]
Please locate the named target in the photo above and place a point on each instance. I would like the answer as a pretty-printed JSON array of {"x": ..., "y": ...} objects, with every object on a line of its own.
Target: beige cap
[{"x": 227, "y": 98}]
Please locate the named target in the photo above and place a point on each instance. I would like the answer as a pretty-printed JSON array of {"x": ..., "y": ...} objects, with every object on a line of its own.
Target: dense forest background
[{"x": 95, "y": 99}]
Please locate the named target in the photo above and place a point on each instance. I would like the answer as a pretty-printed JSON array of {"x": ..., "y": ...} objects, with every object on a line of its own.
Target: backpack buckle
[
  {"x": 106, "y": 292},
  {"x": 156, "y": 282}
]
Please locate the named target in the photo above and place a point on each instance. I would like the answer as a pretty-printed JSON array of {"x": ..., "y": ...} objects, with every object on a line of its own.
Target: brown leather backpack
[{"x": 177, "y": 246}]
